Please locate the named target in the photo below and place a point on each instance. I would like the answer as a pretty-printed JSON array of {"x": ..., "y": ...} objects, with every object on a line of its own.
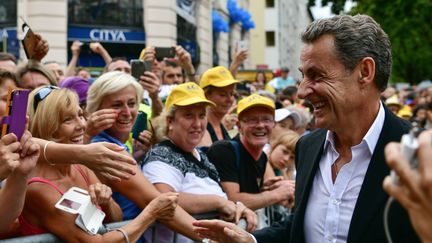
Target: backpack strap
[{"x": 236, "y": 147}]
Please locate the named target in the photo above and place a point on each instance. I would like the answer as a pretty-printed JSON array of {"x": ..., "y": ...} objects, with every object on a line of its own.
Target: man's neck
[{"x": 352, "y": 133}]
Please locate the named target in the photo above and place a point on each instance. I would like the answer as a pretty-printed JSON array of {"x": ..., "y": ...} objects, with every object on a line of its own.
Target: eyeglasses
[
  {"x": 267, "y": 121},
  {"x": 42, "y": 94}
]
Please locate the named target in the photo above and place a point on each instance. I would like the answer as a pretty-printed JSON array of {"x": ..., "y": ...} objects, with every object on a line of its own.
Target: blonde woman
[
  {"x": 121, "y": 93},
  {"x": 55, "y": 115}
]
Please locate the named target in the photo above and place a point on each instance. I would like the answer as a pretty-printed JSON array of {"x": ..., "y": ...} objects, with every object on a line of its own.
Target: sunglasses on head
[{"x": 42, "y": 94}]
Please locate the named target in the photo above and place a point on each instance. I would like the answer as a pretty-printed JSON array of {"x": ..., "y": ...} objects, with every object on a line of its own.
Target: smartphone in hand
[
  {"x": 29, "y": 41},
  {"x": 164, "y": 52},
  {"x": 138, "y": 67},
  {"x": 14, "y": 121},
  {"x": 140, "y": 125},
  {"x": 242, "y": 46}
]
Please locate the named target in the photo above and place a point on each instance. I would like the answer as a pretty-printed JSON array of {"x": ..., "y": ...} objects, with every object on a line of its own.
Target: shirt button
[{"x": 329, "y": 237}]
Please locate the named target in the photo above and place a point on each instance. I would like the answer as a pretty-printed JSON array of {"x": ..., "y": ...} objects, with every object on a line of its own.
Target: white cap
[{"x": 281, "y": 114}]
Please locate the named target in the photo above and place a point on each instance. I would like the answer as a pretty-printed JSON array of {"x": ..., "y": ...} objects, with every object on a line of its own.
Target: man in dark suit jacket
[
  {"x": 346, "y": 64},
  {"x": 367, "y": 220}
]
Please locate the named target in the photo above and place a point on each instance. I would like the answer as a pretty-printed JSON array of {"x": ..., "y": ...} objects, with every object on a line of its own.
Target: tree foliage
[{"x": 408, "y": 25}]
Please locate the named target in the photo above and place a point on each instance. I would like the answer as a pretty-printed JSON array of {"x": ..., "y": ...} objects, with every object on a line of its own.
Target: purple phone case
[{"x": 17, "y": 113}]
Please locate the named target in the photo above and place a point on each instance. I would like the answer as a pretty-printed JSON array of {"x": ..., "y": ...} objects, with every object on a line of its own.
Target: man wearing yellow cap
[
  {"x": 242, "y": 164},
  {"x": 218, "y": 85}
]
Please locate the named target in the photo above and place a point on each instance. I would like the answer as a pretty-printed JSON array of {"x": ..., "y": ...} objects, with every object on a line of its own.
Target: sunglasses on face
[{"x": 42, "y": 94}]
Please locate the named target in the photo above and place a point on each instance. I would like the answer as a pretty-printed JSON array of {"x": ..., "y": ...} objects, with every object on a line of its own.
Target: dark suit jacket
[{"x": 367, "y": 219}]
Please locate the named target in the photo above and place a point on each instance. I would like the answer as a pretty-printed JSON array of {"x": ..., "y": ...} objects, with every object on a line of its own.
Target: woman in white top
[{"x": 176, "y": 165}]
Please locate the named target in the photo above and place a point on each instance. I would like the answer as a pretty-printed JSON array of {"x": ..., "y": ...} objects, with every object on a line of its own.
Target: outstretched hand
[
  {"x": 106, "y": 161},
  {"x": 221, "y": 231},
  {"x": 163, "y": 207}
]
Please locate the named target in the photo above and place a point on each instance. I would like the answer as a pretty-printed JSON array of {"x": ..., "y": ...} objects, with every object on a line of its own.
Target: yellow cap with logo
[
  {"x": 186, "y": 94},
  {"x": 218, "y": 76},
  {"x": 254, "y": 100}
]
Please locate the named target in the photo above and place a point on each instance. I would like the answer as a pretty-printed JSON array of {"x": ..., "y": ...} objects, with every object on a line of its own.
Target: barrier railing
[{"x": 50, "y": 238}]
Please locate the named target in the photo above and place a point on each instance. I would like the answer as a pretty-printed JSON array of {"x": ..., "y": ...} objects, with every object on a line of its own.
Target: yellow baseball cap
[
  {"x": 186, "y": 94},
  {"x": 254, "y": 100},
  {"x": 218, "y": 76}
]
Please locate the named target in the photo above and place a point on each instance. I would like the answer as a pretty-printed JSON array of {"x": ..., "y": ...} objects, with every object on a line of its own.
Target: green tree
[{"x": 408, "y": 25}]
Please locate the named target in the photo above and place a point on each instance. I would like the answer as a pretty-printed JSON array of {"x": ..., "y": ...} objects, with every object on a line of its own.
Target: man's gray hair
[{"x": 356, "y": 37}]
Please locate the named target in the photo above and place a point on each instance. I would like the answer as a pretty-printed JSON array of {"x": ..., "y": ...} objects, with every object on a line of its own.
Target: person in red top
[{"x": 55, "y": 115}]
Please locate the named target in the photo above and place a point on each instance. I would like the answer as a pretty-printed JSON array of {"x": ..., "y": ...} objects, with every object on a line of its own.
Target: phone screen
[
  {"x": 140, "y": 125},
  {"x": 242, "y": 46},
  {"x": 70, "y": 204}
]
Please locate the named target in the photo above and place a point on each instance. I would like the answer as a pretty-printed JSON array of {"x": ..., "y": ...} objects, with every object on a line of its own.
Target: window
[
  {"x": 270, "y": 3},
  {"x": 270, "y": 38},
  {"x": 127, "y": 13},
  {"x": 8, "y": 13}
]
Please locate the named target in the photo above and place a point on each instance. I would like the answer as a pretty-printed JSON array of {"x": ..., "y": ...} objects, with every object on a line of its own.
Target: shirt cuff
[{"x": 253, "y": 237}]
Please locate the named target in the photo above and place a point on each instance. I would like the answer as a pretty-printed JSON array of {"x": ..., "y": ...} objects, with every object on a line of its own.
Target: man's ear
[{"x": 367, "y": 71}]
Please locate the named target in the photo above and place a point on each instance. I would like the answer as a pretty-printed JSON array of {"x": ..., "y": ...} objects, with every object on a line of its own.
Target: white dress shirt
[{"x": 331, "y": 205}]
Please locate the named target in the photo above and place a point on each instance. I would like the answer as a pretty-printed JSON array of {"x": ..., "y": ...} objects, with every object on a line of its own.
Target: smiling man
[
  {"x": 346, "y": 63},
  {"x": 241, "y": 162}
]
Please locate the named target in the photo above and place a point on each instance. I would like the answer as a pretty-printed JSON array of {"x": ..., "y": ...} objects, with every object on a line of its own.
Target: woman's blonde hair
[
  {"x": 50, "y": 112},
  {"x": 287, "y": 138},
  {"x": 160, "y": 123},
  {"x": 109, "y": 83}
]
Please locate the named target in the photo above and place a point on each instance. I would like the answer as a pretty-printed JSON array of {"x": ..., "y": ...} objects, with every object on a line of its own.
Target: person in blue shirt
[
  {"x": 279, "y": 83},
  {"x": 121, "y": 92}
]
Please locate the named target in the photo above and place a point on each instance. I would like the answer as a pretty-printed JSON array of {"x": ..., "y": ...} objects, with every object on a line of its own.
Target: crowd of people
[{"x": 311, "y": 152}]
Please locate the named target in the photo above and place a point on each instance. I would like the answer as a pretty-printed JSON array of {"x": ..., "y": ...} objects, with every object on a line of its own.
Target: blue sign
[
  {"x": 10, "y": 41},
  {"x": 99, "y": 34},
  {"x": 192, "y": 48}
]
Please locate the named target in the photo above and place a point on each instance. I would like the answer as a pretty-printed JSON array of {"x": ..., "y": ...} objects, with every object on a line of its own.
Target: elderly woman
[
  {"x": 55, "y": 115},
  {"x": 176, "y": 165},
  {"x": 219, "y": 86},
  {"x": 120, "y": 92}
]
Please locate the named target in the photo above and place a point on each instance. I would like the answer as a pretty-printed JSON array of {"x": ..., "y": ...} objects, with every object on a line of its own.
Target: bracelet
[
  {"x": 44, "y": 153},
  {"x": 126, "y": 237}
]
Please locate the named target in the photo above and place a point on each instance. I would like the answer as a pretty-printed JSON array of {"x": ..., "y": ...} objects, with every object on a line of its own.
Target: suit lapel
[
  {"x": 308, "y": 161},
  {"x": 372, "y": 197}
]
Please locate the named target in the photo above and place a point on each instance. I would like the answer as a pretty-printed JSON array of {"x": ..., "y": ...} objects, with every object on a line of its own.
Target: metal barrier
[{"x": 50, "y": 238}]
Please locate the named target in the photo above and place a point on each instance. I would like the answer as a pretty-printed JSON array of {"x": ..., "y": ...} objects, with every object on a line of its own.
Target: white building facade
[{"x": 124, "y": 27}]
